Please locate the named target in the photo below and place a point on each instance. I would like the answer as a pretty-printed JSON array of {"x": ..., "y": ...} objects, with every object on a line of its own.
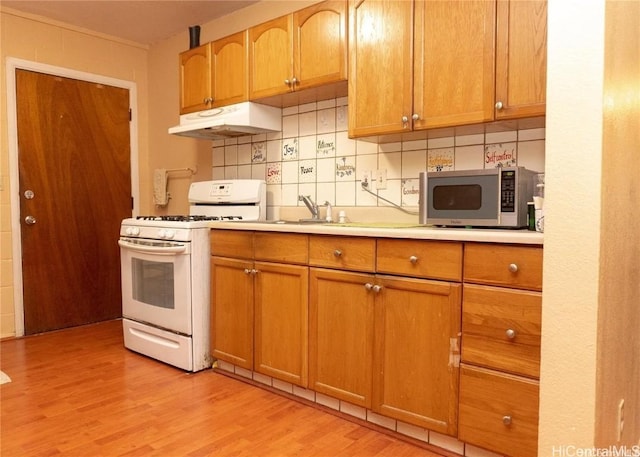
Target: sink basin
[{"x": 300, "y": 222}]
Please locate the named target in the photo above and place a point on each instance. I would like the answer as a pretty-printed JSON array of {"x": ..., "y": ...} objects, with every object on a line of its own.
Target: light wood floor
[{"x": 79, "y": 392}]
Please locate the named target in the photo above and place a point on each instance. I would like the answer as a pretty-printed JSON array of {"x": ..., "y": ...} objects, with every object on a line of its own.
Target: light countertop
[{"x": 392, "y": 230}]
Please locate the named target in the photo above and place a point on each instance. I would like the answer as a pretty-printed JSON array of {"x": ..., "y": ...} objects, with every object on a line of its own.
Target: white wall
[{"x": 591, "y": 316}]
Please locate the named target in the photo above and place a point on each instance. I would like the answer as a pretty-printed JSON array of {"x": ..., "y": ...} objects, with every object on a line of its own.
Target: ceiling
[{"x": 145, "y": 22}]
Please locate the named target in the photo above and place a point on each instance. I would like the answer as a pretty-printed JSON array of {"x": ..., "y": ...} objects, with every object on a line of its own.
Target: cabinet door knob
[
  {"x": 511, "y": 333},
  {"x": 294, "y": 81},
  {"x": 287, "y": 82},
  {"x": 337, "y": 253},
  {"x": 247, "y": 271},
  {"x": 415, "y": 117},
  {"x": 368, "y": 286},
  {"x": 377, "y": 288},
  {"x": 513, "y": 268},
  {"x": 506, "y": 420},
  {"x": 405, "y": 119},
  {"x": 499, "y": 105},
  {"x": 208, "y": 101},
  {"x": 413, "y": 259}
]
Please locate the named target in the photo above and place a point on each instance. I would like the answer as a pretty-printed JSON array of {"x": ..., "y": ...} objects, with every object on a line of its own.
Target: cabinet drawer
[
  {"x": 343, "y": 252},
  {"x": 501, "y": 329},
  {"x": 281, "y": 247},
  {"x": 423, "y": 259},
  {"x": 512, "y": 266},
  {"x": 498, "y": 412},
  {"x": 232, "y": 243}
]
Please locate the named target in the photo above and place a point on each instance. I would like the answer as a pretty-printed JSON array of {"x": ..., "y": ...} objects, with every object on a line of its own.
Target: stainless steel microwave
[{"x": 477, "y": 198}]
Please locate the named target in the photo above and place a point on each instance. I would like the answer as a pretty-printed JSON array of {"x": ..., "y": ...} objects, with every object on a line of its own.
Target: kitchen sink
[{"x": 300, "y": 222}]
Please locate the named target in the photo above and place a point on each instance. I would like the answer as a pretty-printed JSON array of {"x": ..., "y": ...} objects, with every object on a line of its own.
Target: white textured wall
[{"x": 572, "y": 223}]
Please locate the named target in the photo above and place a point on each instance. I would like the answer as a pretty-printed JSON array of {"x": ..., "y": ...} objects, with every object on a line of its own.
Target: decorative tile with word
[
  {"x": 326, "y": 145},
  {"x": 345, "y": 168},
  {"x": 259, "y": 152},
  {"x": 440, "y": 159},
  {"x": 410, "y": 192},
  {"x": 274, "y": 173},
  {"x": 290, "y": 149},
  {"x": 500, "y": 155},
  {"x": 307, "y": 171}
]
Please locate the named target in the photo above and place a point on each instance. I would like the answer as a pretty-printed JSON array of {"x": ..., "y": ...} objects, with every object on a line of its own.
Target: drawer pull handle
[
  {"x": 337, "y": 253},
  {"x": 506, "y": 420},
  {"x": 377, "y": 288},
  {"x": 368, "y": 286},
  {"x": 413, "y": 259},
  {"x": 513, "y": 267},
  {"x": 511, "y": 333}
]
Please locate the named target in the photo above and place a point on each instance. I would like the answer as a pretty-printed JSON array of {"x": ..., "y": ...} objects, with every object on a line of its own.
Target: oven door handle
[{"x": 161, "y": 250}]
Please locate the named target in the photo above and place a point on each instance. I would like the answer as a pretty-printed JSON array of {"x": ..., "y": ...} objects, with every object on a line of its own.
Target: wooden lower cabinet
[
  {"x": 259, "y": 309},
  {"x": 232, "y": 311},
  {"x": 416, "y": 351},
  {"x": 341, "y": 335},
  {"x": 281, "y": 329},
  {"x": 388, "y": 326},
  {"x": 499, "y": 411},
  {"x": 388, "y": 344}
]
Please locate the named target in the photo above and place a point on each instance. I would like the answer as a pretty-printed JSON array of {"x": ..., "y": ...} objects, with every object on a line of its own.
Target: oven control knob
[
  {"x": 162, "y": 234},
  {"x": 169, "y": 234},
  {"x": 132, "y": 231}
]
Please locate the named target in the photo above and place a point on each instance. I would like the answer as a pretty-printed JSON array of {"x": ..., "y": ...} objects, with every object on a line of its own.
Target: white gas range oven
[{"x": 165, "y": 272}]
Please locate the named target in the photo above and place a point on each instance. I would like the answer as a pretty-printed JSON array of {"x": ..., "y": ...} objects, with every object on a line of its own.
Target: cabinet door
[
  {"x": 499, "y": 411},
  {"x": 380, "y": 66},
  {"x": 341, "y": 335},
  {"x": 521, "y": 58},
  {"x": 232, "y": 311},
  {"x": 416, "y": 352},
  {"x": 230, "y": 76},
  {"x": 270, "y": 58},
  {"x": 320, "y": 44},
  {"x": 195, "y": 79},
  {"x": 281, "y": 321},
  {"x": 453, "y": 63}
]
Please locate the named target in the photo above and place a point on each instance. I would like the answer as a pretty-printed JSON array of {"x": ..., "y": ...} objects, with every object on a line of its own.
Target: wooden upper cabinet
[
  {"x": 521, "y": 58},
  {"x": 270, "y": 58},
  {"x": 422, "y": 64},
  {"x": 195, "y": 79},
  {"x": 453, "y": 63},
  {"x": 320, "y": 44},
  {"x": 299, "y": 51},
  {"x": 380, "y": 66},
  {"x": 229, "y": 68}
]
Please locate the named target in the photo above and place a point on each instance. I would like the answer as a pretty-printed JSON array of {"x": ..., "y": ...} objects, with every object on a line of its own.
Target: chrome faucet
[{"x": 315, "y": 212}]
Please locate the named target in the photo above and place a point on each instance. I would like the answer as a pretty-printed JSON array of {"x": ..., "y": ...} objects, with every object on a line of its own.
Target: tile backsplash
[{"x": 314, "y": 156}]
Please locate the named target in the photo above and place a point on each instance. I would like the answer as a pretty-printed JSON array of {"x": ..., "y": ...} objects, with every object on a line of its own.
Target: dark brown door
[{"x": 75, "y": 189}]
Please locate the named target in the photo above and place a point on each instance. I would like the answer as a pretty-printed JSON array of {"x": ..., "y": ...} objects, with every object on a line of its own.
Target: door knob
[
  {"x": 28, "y": 194},
  {"x": 29, "y": 220}
]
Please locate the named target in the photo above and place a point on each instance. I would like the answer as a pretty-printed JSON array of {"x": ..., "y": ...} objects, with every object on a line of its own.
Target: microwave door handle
[{"x": 172, "y": 250}]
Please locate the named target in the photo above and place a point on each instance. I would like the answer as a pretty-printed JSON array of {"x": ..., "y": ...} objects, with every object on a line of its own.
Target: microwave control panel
[{"x": 508, "y": 191}]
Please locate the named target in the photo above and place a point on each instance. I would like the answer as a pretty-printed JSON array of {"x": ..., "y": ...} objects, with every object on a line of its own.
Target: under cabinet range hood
[{"x": 246, "y": 118}]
